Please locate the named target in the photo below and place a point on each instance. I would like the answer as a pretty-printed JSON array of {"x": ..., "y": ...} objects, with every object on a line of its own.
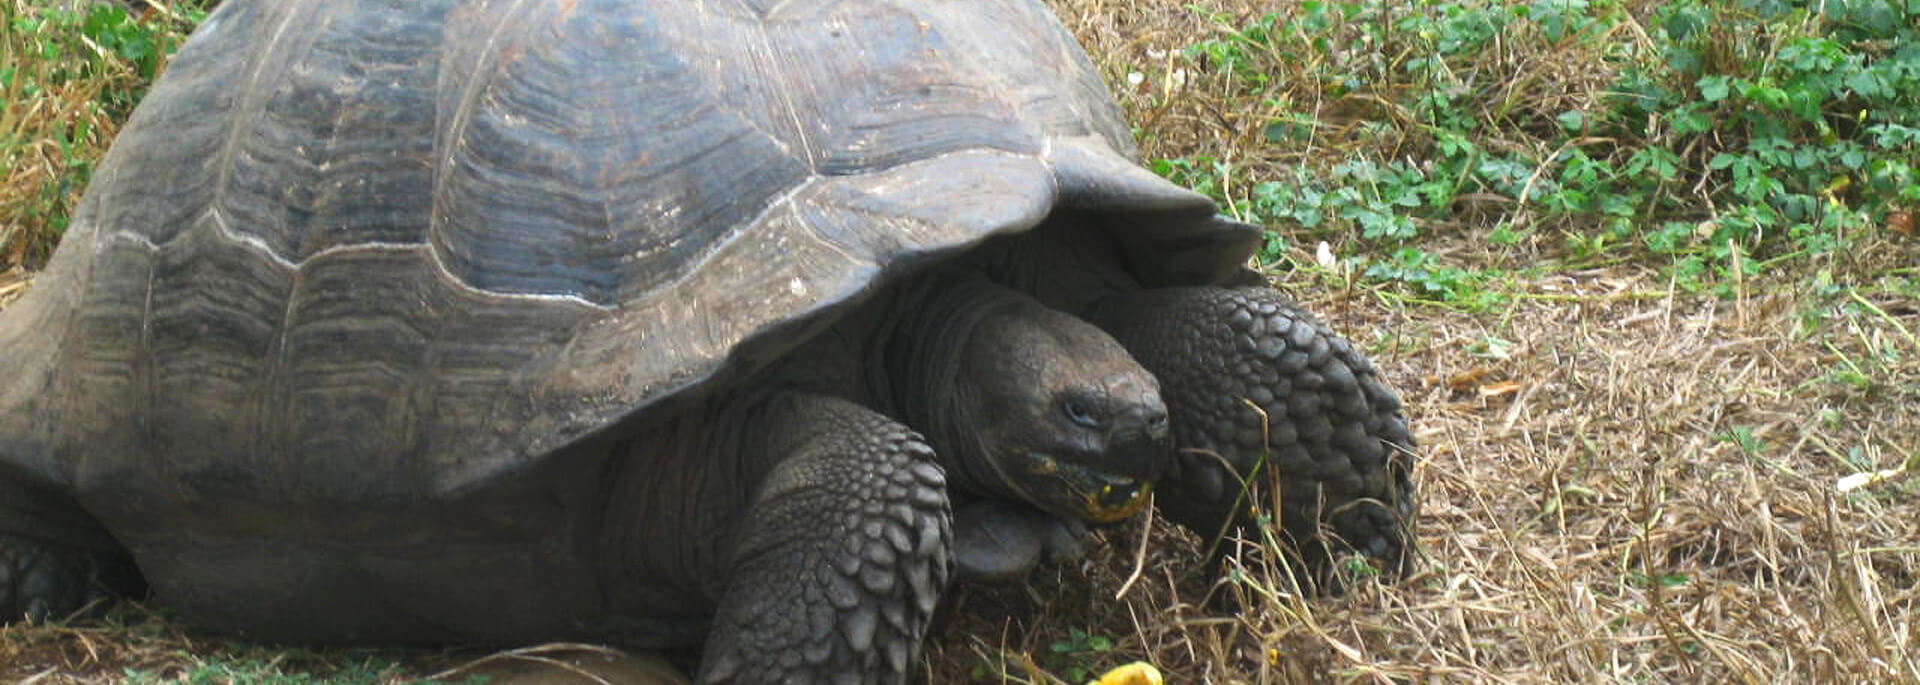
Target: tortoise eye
[{"x": 1078, "y": 412}]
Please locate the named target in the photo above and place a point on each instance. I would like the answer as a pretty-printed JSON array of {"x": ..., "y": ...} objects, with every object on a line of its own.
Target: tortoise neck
[
  {"x": 1068, "y": 263},
  {"x": 923, "y": 360}
]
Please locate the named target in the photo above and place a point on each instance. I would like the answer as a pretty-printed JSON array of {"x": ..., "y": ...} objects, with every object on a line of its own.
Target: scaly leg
[
  {"x": 1252, "y": 381},
  {"x": 842, "y": 555},
  {"x": 54, "y": 559}
]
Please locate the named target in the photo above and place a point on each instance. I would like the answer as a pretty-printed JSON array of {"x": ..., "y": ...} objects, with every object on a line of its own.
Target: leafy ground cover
[{"x": 1645, "y": 273}]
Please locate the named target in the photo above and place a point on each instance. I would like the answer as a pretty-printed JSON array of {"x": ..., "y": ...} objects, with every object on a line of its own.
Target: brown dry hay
[
  {"x": 13, "y": 284},
  {"x": 1619, "y": 482},
  {"x": 1583, "y": 519},
  {"x": 36, "y": 157}
]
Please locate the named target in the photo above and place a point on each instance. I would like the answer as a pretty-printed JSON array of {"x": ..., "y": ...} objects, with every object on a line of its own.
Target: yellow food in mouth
[
  {"x": 1098, "y": 492},
  {"x": 1098, "y": 512}
]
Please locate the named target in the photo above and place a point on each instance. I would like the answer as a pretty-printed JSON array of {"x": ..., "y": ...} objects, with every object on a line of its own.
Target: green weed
[
  {"x": 69, "y": 75},
  {"x": 1718, "y": 139},
  {"x": 270, "y": 671},
  {"x": 1076, "y": 657}
]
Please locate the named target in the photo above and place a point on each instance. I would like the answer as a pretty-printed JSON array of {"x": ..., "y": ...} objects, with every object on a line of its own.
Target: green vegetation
[
  {"x": 1719, "y": 139},
  {"x": 70, "y": 73},
  {"x": 1076, "y": 657},
  {"x": 291, "y": 667}
]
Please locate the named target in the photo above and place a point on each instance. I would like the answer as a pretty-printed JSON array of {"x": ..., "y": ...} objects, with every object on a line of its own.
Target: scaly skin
[
  {"x": 54, "y": 560},
  {"x": 43, "y": 581},
  {"x": 841, "y": 556},
  {"x": 848, "y": 540},
  {"x": 1250, "y": 378}
]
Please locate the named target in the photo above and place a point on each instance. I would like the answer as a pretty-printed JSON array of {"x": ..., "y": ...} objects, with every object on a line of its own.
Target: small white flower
[
  {"x": 1866, "y": 478},
  {"x": 1323, "y": 255}
]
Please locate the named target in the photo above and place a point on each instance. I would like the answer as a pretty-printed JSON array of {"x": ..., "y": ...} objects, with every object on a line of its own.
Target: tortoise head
[{"x": 1058, "y": 414}]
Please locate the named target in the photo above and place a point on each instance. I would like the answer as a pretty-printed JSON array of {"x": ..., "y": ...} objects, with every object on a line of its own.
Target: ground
[{"x": 1637, "y": 463}]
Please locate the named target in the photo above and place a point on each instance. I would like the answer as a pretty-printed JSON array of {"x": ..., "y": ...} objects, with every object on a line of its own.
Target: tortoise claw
[
  {"x": 998, "y": 541},
  {"x": 41, "y": 581}
]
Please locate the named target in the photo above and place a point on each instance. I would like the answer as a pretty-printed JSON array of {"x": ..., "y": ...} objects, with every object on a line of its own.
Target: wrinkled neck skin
[
  {"x": 922, "y": 359},
  {"x": 1067, "y": 264}
]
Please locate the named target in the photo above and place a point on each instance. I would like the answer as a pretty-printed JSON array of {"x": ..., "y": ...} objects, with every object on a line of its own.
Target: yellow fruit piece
[{"x": 1136, "y": 673}]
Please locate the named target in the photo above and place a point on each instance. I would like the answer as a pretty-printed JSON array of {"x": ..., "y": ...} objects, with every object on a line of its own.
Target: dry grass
[
  {"x": 1620, "y": 481},
  {"x": 63, "y": 96},
  {"x": 1588, "y": 514}
]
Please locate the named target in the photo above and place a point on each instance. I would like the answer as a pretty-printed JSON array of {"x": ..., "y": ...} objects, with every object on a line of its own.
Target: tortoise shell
[{"x": 365, "y": 251}]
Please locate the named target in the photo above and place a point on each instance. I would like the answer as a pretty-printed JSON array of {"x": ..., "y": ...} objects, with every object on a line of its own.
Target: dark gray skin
[
  {"x": 1021, "y": 406},
  {"x": 1258, "y": 391},
  {"x": 993, "y": 378},
  {"x": 649, "y": 323},
  {"x": 1030, "y": 415},
  {"x": 710, "y": 515}
]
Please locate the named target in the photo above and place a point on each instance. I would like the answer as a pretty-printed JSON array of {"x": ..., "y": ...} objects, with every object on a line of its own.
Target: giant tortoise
[{"x": 735, "y": 323}]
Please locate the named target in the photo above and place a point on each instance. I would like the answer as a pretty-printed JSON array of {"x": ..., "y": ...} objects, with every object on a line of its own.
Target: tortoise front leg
[
  {"x": 842, "y": 554},
  {"x": 1251, "y": 382},
  {"x": 54, "y": 559},
  {"x": 40, "y": 580}
]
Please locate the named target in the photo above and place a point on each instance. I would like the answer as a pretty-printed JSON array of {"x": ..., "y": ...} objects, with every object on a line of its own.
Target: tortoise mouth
[{"x": 1081, "y": 491}]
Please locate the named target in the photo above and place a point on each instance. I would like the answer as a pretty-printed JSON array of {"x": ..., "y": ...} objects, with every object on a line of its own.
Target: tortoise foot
[
  {"x": 1263, "y": 394},
  {"x": 42, "y": 581},
  {"x": 997, "y": 541}
]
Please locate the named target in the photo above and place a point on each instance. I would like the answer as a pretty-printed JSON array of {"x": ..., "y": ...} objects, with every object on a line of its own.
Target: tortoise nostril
[
  {"x": 1148, "y": 418},
  {"x": 1157, "y": 424}
]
